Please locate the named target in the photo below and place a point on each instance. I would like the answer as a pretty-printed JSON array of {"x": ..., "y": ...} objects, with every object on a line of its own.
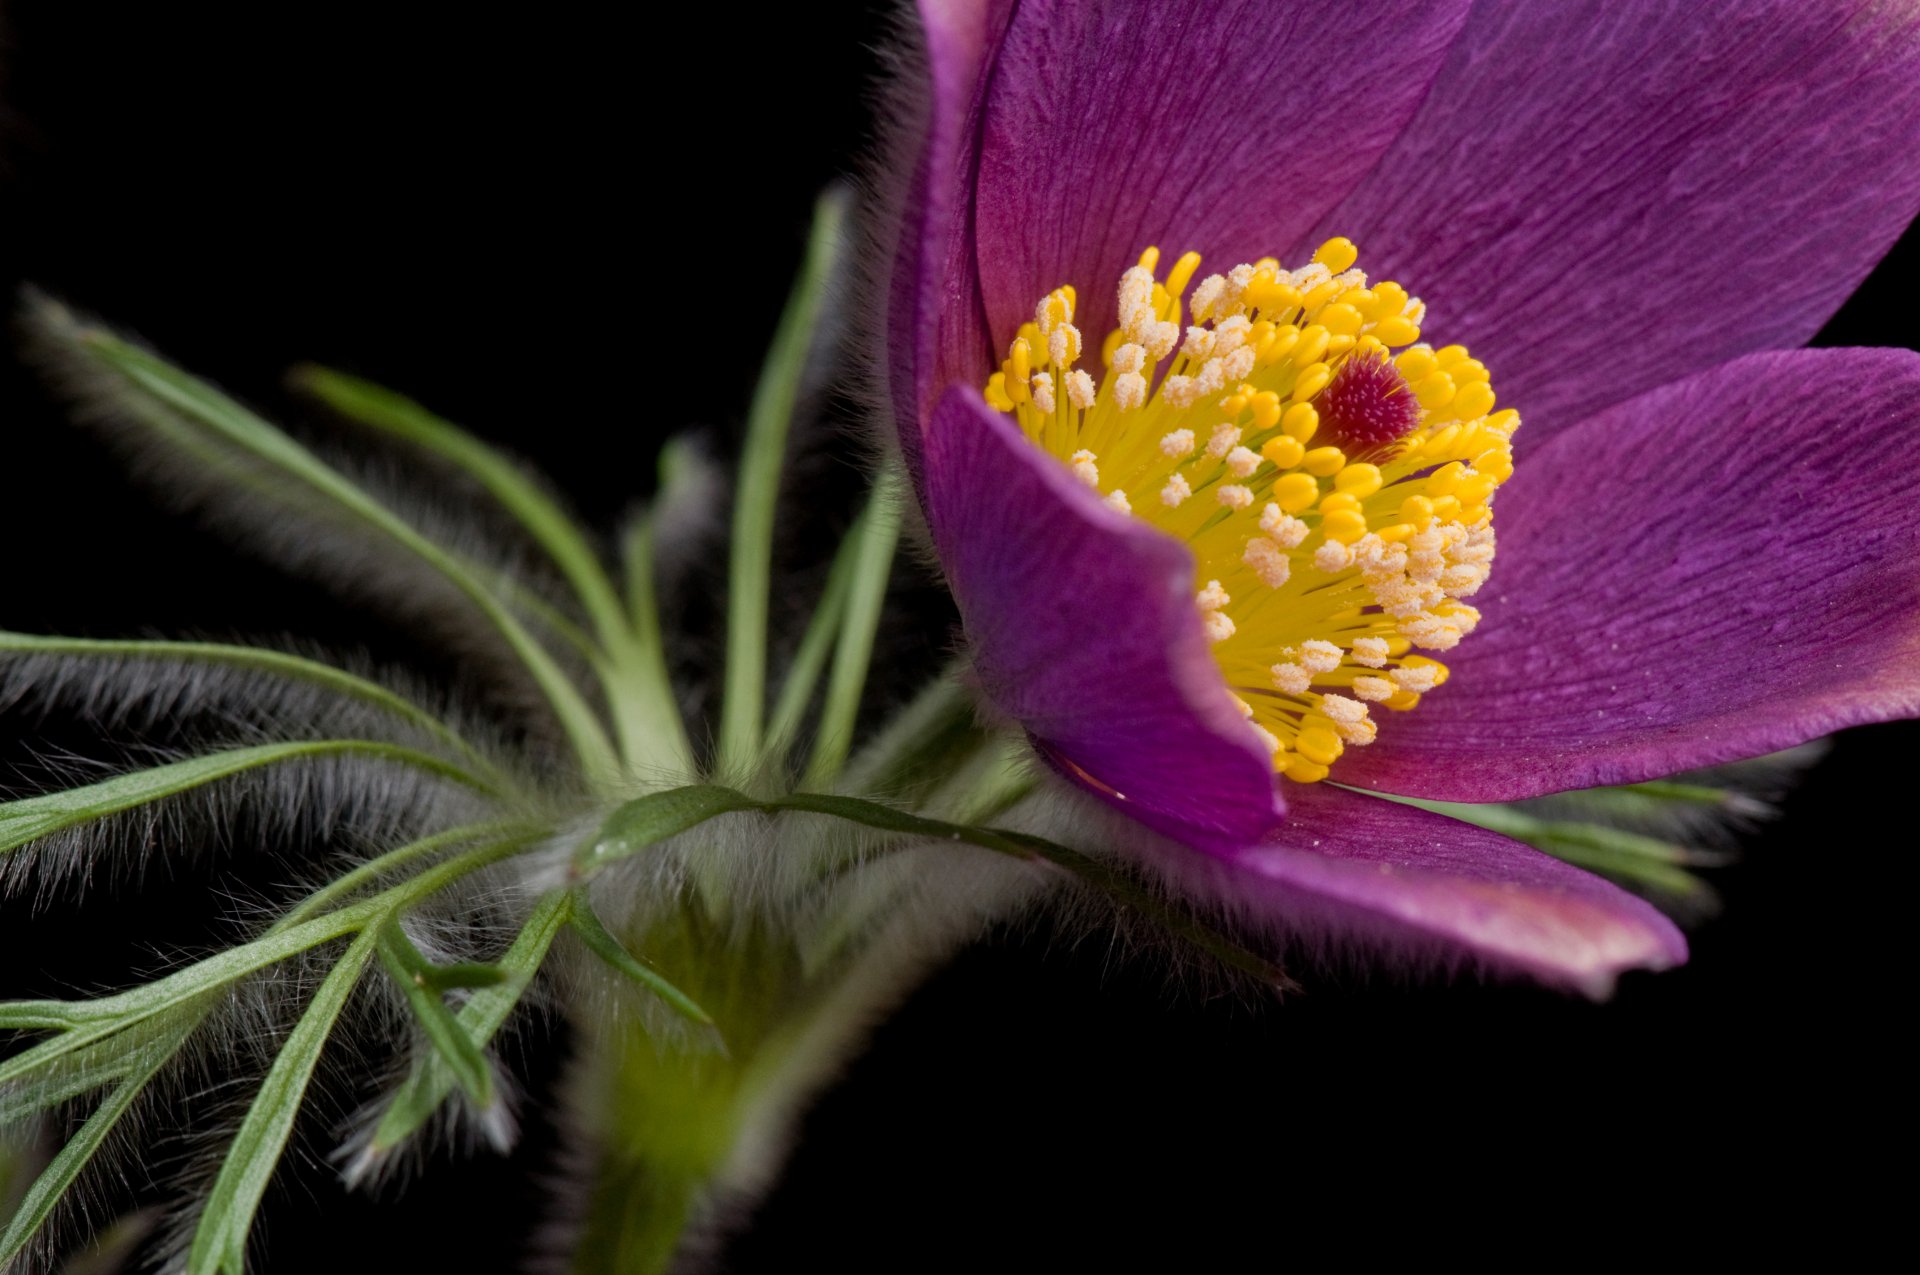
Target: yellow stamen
[{"x": 1318, "y": 568}]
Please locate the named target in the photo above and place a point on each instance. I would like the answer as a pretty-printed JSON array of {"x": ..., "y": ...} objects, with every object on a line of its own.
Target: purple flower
[{"x": 1188, "y": 558}]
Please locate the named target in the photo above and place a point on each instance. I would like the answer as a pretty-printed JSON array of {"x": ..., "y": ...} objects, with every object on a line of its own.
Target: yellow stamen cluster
[{"x": 1318, "y": 571}]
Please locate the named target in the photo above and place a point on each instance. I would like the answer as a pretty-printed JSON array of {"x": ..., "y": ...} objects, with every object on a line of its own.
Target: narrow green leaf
[
  {"x": 586, "y": 923},
  {"x": 98, "y": 1018},
  {"x": 762, "y": 457},
  {"x": 408, "y": 968},
  {"x": 345, "y": 885},
  {"x": 461, "y": 976},
  {"x": 257, "y": 658},
  {"x": 810, "y": 658},
  {"x": 32, "y": 818},
  {"x": 393, "y": 413},
  {"x": 648, "y": 820},
  {"x": 866, "y": 595},
  {"x": 171, "y": 390},
  {"x": 220, "y": 1241},
  {"x": 480, "y": 1018},
  {"x": 80, "y": 1149}
]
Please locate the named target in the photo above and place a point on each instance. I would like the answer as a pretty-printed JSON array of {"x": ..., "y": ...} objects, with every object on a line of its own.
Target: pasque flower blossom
[{"x": 1213, "y": 529}]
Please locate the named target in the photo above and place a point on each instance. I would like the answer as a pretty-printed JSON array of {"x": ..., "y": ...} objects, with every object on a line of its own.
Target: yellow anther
[
  {"x": 1398, "y": 330},
  {"x": 1300, "y": 422},
  {"x": 1313, "y": 379},
  {"x": 1495, "y": 462},
  {"x": 1338, "y": 345},
  {"x": 1420, "y": 661},
  {"x": 1319, "y": 297},
  {"x": 1341, "y": 319},
  {"x": 1324, "y": 461},
  {"x": 1150, "y": 259},
  {"x": 1365, "y": 302},
  {"x": 1319, "y": 744},
  {"x": 1113, "y": 342},
  {"x": 1266, "y": 410},
  {"x": 1284, "y": 452},
  {"x": 1416, "y": 364},
  {"x": 1396, "y": 533},
  {"x": 1334, "y": 502},
  {"x": 1019, "y": 391},
  {"x": 1358, "y": 480},
  {"x": 1020, "y": 362},
  {"x": 1392, "y": 297},
  {"x": 1234, "y": 404},
  {"x": 1450, "y": 354},
  {"x": 1313, "y": 344},
  {"x": 1504, "y": 421},
  {"x": 1445, "y": 480},
  {"x": 1475, "y": 398},
  {"x": 1468, "y": 370},
  {"x": 1441, "y": 441},
  {"x": 997, "y": 393},
  {"x": 1344, "y": 525},
  {"x": 1337, "y": 255},
  {"x": 1300, "y": 770},
  {"x": 1417, "y": 510},
  {"x": 1475, "y": 488},
  {"x": 1401, "y": 701},
  {"x": 1434, "y": 392},
  {"x": 1182, "y": 273},
  {"x": 1295, "y": 492},
  {"x": 1279, "y": 345},
  {"x": 1446, "y": 508},
  {"x": 1028, "y": 333}
]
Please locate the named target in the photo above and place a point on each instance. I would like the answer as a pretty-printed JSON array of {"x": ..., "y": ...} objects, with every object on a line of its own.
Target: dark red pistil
[{"x": 1366, "y": 405}]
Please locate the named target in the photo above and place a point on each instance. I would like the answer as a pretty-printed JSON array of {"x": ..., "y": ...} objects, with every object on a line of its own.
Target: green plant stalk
[
  {"x": 762, "y": 458},
  {"x": 669, "y": 751}
]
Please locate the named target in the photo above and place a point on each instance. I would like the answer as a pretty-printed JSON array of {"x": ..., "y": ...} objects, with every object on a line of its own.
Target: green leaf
[
  {"x": 164, "y": 390},
  {"x": 462, "y": 976},
  {"x": 80, "y": 1149},
  {"x": 626, "y": 669},
  {"x": 648, "y": 820},
  {"x": 586, "y": 923},
  {"x": 491, "y": 833},
  {"x": 762, "y": 457},
  {"x": 87, "y": 1021},
  {"x": 408, "y": 968},
  {"x": 251, "y": 657},
  {"x": 810, "y": 657},
  {"x": 480, "y": 1018},
  {"x": 873, "y": 566},
  {"x": 32, "y": 818},
  {"x": 220, "y": 1241}
]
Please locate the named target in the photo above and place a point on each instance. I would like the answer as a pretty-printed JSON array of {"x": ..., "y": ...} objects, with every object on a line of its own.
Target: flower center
[{"x": 1336, "y": 495}]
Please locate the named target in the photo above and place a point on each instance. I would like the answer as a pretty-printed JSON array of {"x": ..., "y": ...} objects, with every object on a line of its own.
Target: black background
[{"x": 515, "y": 220}]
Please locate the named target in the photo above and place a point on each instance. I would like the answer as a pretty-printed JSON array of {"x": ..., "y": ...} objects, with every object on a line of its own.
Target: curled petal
[
  {"x": 1724, "y": 567},
  {"x": 1083, "y": 630},
  {"x": 1600, "y": 198},
  {"x": 1433, "y": 890}
]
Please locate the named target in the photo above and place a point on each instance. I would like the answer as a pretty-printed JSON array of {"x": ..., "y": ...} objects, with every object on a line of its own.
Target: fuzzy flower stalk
[{"x": 1283, "y": 629}]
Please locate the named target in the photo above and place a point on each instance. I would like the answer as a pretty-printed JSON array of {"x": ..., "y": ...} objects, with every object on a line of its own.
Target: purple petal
[
  {"x": 1346, "y": 866},
  {"x": 933, "y": 327},
  {"x": 1723, "y": 567},
  {"x": 1084, "y": 630},
  {"x": 1601, "y": 198},
  {"x": 1228, "y": 128}
]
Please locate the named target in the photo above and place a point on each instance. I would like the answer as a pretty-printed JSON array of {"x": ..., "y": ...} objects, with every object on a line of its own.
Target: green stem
[{"x": 761, "y": 460}]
